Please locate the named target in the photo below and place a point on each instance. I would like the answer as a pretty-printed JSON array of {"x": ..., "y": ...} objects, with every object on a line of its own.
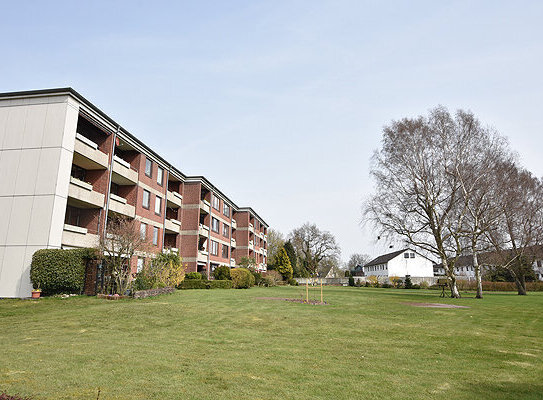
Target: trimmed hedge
[
  {"x": 221, "y": 273},
  {"x": 201, "y": 284},
  {"x": 193, "y": 276},
  {"x": 242, "y": 278},
  {"x": 58, "y": 271}
]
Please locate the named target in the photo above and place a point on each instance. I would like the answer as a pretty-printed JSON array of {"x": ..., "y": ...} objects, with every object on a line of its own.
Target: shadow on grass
[{"x": 504, "y": 390}]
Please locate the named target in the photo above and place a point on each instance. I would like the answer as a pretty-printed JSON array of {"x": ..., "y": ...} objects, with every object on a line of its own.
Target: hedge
[
  {"x": 242, "y": 278},
  {"x": 201, "y": 284},
  {"x": 57, "y": 271}
]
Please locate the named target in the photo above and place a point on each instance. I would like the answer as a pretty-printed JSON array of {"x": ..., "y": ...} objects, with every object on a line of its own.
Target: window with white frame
[
  {"x": 148, "y": 167},
  {"x": 146, "y": 199},
  {"x": 214, "y": 248},
  {"x": 143, "y": 230},
  {"x": 141, "y": 262},
  {"x": 155, "y": 235},
  {"x": 214, "y": 224},
  {"x": 158, "y": 205},
  {"x": 215, "y": 202},
  {"x": 225, "y": 230},
  {"x": 226, "y": 209},
  {"x": 160, "y": 176}
]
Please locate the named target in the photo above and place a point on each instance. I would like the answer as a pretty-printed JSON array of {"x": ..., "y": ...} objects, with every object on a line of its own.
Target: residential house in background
[{"x": 400, "y": 263}]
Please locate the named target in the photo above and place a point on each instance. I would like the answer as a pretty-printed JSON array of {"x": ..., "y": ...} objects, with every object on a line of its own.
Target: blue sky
[{"x": 281, "y": 103}]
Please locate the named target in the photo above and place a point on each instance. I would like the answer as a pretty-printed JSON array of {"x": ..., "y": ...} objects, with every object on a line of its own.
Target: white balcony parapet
[
  {"x": 76, "y": 229},
  {"x": 87, "y": 154},
  {"x": 202, "y": 255},
  {"x": 122, "y": 168},
  {"x": 232, "y": 261},
  {"x": 251, "y": 228},
  {"x": 205, "y": 206},
  {"x": 174, "y": 197},
  {"x": 233, "y": 242},
  {"x": 172, "y": 225},
  {"x": 168, "y": 250},
  {"x": 251, "y": 244},
  {"x": 119, "y": 205},
  {"x": 234, "y": 224},
  {"x": 76, "y": 236},
  {"x": 203, "y": 230},
  {"x": 82, "y": 191}
]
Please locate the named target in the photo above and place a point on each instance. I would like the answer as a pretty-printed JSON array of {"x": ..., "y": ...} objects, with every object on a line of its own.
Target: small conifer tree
[{"x": 282, "y": 264}]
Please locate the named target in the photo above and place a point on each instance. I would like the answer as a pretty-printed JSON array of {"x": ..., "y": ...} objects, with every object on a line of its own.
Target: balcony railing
[
  {"x": 119, "y": 205},
  {"x": 232, "y": 262},
  {"x": 251, "y": 228},
  {"x": 87, "y": 154},
  {"x": 234, "y": 224},
  {"x": 83, "y": 192},
  {"x": 205, "y": 206},
  {"x": 174, "y": 198},
  {"x": 233, "y": 242},
  {"x": 172, "y": 225},
  {"x": 77, "y": 236},
  {"x": 122, "y": 168},
  {"x": 251, "y": 244},
  {"x": 203, "y": 230}
]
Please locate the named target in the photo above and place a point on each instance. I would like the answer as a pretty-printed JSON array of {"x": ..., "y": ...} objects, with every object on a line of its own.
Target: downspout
[
  {"x": 165, "y": 205},
  {"x": 110, "y": 175}
]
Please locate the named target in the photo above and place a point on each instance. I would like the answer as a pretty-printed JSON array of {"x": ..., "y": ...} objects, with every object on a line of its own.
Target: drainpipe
[
  {"x": 108, "y": 193},
  {"x": 165, "y": 206}
]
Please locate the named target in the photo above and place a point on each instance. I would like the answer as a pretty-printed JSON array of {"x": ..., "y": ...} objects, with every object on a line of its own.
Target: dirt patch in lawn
[
  {"x": 434, "y": 305},
  {"x": 312, "y": 302}
]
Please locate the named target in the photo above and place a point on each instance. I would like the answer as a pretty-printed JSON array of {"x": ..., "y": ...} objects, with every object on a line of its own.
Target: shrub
[
  {"x": 220, "y": 284},
  {"x": 396, "y": 281},
  {"x": 408, "y": 284},
  {"x": 257, "y": 275},
  {"x": 347, "y": 273},
  {"x": 415, "y": 286},
  {"x": 193, "y": 284},
  {"x": 293, "y": 282},
  {"x": 351, "y": 281},
  {"x": 386, "y": 285},
  {"x": 367, "y": 284},
  {"x": 267, "y": 281},
  {"x": 358, "y": 283},
  {"x": 193, "y": 275},
  {"x": 373, "y": 280},
  {"x": 424, "y": 285},
  {"x": 282, "y": 264},
  {"x": 221, "y": 273},
  {"x": 242, "y": 278},
  {"x": 273, "y": 277},
  {"x": 143, "y": 281},
  {"x": 57, "y": 271}
]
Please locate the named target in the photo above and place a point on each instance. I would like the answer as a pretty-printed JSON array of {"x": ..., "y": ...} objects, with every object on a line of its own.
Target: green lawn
[{"x": 225, "y": 344}]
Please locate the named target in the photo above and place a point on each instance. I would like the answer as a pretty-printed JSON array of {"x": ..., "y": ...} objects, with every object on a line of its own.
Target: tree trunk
[
  {"x": 479, "y": 294},
  {"x": 452, "y": 279},
  {"x": 521, "y": 285}
]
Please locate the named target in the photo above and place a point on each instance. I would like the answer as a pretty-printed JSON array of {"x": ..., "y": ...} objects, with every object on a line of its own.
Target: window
[
  {"x": 411, "y": 255},
  {"x": 148, "y": 167},
  {"x": 214, "y": 248},
  {"x": 158, "y": 205},
  {"x": 214, "y": 224},
  {"x": 224, "y": 251},
  {"x": 159, "y": 175},
  {"x": 79, "y": 173},
  {"x": 143, "y": 230},
  {"x": 405, "y": 255},
  {"x": 226, "y": 209},
  {"x": 225, "y": 230},
  {"x": 155, "y": 235},
  {"x": 146, "y": 199},
  {"x": 215, "y": 202},
  {"x": 72, "y": 216},
  {"x": 140, "y": 264}
]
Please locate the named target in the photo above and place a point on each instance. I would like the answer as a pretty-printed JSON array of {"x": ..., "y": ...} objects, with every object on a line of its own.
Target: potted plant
[{"x": 36, "y": 293}]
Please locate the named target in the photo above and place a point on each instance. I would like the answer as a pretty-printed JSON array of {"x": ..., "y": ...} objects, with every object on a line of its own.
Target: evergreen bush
[
  {"x": 242, "y": 278},
  {"x": 57, "y": 271},
  {"x": 221, "y": 273}
]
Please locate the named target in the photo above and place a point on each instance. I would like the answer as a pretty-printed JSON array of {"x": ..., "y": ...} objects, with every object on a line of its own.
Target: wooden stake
[
  {"x": 321, "y": 290},
  {"x": 307, "y": 290}
]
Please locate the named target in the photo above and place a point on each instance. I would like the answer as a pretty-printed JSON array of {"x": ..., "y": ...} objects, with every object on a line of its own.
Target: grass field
[{"x": 226, "y": 344}]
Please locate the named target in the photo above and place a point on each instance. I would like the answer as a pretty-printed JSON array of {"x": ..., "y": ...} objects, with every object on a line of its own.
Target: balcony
[
  {"x": 87, "y": 155},
  {"x": 203, "y": 230},
  {"x": 205, "y": 206},
  {"x": 232, "y": 262},
  {"x": 76, "y": 236},
  {"x": 251, "y": 245},
  {"x": 202, "y": 255},
  {"x": 122, "y": 173},
  {"x": 251, "y": 228},
  {"x": 266, "y": 237},
  {"x": 174, "y": 199},
  {"x": 169, "y": 250},
  {"x": 83, "y": 193},
  {"x": 234, "y": 224},
  {"x": 265, "y": 252},
  {"x": 172, "y": 226},
  {"x": 233, "y": 242},
  {"x": 119, "y": 205}
]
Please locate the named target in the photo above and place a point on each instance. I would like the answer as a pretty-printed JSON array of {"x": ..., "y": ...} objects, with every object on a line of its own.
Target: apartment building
[{"x": 66, "y": 167}]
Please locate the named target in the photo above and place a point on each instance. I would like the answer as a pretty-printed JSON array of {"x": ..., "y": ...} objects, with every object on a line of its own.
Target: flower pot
[{"x": 36, "y": 294}]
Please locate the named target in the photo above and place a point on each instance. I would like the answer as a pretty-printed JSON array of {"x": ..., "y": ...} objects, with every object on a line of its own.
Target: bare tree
[
  {"x": 418, "y": 195},
  {"x": 276, "y": 242},
  {"x": 357, "y": 259},
  {"x": 123, "y": 239},
  {"x": 519, "y": 236},
  {"x": 315, "y": 248},
  {"x": 478, "y": 182}
]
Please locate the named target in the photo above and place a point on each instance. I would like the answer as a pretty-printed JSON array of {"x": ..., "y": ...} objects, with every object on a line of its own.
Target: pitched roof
[{"x": 385, "y": 258}]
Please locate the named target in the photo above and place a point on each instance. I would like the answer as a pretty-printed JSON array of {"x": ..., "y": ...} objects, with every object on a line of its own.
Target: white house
[{"x": 400, "y": 263}]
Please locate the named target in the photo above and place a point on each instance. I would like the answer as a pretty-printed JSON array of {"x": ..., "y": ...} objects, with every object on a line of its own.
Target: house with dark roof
[{"x": 400, "y": 263}]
